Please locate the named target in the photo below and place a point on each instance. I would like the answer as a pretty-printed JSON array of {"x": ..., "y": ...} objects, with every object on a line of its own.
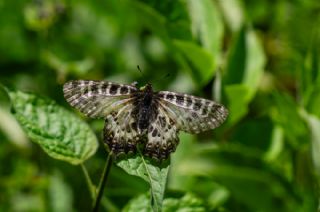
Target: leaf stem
[
  {"x": 102, "y": 183},
  {"x": 91, "y": 186}
]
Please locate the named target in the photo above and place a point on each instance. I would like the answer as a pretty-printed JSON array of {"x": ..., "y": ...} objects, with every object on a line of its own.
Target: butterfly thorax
[{"x": 145, "y": 108}]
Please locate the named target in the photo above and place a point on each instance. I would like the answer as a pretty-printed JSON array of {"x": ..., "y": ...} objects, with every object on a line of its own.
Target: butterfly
[{"x": 140, "y": 117}]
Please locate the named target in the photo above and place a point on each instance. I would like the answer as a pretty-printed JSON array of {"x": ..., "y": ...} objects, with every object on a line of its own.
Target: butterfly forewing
[
  {"x": 192, "y": 114},
  {"x": 97, "y": 99}
]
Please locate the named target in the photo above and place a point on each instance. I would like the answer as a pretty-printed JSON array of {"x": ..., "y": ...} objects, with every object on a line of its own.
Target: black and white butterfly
[{"x": 143, "y": 117}]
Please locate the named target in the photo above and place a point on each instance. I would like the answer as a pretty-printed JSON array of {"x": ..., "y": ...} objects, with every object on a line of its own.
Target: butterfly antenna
[{"x": 139, "y": 69}]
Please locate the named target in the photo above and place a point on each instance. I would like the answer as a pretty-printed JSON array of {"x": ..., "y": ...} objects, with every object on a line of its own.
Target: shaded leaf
[
  {"x": 188, "y": 202},
  {"x": 286, "y": 114},
  {"x": 314, "y": 127},
  {"x": 61, "y": 134}
]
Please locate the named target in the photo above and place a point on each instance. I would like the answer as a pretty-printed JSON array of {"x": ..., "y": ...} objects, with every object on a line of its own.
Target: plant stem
[
  {"x": 102, "y": 183},
  {"x": 91, "y": 186}
]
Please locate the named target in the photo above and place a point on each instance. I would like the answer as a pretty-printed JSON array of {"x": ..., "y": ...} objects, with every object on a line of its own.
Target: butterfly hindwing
[
  {"x": 96, "y": 99},
  {"x": 192, "y": 114},
  {"x": 162, "y": 136},
  {"x": 120, "y": 131}
]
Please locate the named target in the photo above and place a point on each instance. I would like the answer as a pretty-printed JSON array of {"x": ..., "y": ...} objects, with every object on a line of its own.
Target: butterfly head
[{"x": 147, "y": 88}]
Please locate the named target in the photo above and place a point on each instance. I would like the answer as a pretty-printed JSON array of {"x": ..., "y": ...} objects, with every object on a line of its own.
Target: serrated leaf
[
  {"x": 155, "y": 175},
  {"x": 61, "y": 134}
]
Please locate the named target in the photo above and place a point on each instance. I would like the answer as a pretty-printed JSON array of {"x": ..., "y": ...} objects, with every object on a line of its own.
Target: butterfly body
[
  {"x": 146, "y": 108},
  {"x": 141, "y": 117}
]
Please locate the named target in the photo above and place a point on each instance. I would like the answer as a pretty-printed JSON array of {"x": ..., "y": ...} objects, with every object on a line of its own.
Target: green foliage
[
  {"x": 154, "y": 174},
  {"x": 61, "y": 134},
  {"x": 259, "y": 58}
]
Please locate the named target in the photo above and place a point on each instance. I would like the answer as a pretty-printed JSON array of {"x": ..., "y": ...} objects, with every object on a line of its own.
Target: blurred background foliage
[{"x": 259, "y": 58}]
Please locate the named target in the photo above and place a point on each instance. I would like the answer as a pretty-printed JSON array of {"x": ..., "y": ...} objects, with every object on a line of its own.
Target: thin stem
[
  {"x": 91, "y": 186},
  {"x": 102, "y": 183}
]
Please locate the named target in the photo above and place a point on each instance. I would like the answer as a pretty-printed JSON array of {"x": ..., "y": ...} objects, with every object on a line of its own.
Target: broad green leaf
[
  {"x": 155, "y": 175},
  {"x": 238, "y": 96},
  {"x": 244, "y": 71},
  {"x": 60, "y": 133},
  {"x": 198, "y": 60},
  {"x": 188, "y": 202},
  {"x": 255, "y": 62},
  {"x": 207, "y": 27}
]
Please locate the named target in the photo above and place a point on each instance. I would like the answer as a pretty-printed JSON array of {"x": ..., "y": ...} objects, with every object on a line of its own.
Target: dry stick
[{"x": 102, "y": 183}]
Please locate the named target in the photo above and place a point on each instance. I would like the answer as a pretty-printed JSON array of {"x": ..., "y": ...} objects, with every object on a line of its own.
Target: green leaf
[
  {"x": 233, "y": 13},
  {"x": 60, "y": 193},
  {"x": 239, "y": 97},
  {"x": 188, "y": 202},
  {"x": 244, "y": 71},
  {"x": 255, "y": 62},
  {"x": 198, "y": 60},
  {"x": 207, "y": 27},
  {"x": 155, "y": 175},
  {"x": 314, "y": 126},
  {"x": 236, "y": 59},
  {"x": 60, "y": 133},
  {"x": 140, "y": 203},
  {"x": 286, "y": 114}
]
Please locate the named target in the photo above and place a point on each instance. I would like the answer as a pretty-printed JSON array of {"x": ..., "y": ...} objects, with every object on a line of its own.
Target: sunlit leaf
[
  {"x": 60, "y": 133},
  {"x": 199, "y": 61},
  {"x": 239, "y": 98},
  {"x": 233, "y": 13},
  {"x": 207, "y": 27},
  {"x": 154, "y": 174}
]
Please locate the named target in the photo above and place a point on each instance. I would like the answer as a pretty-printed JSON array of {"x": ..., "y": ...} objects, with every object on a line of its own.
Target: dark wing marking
[
  {"x": 192, "y": 114},
  {"x": 97, "y": 99},
  {"x": 120, "y": 131},
  {"x": 162, "y": 136}
]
